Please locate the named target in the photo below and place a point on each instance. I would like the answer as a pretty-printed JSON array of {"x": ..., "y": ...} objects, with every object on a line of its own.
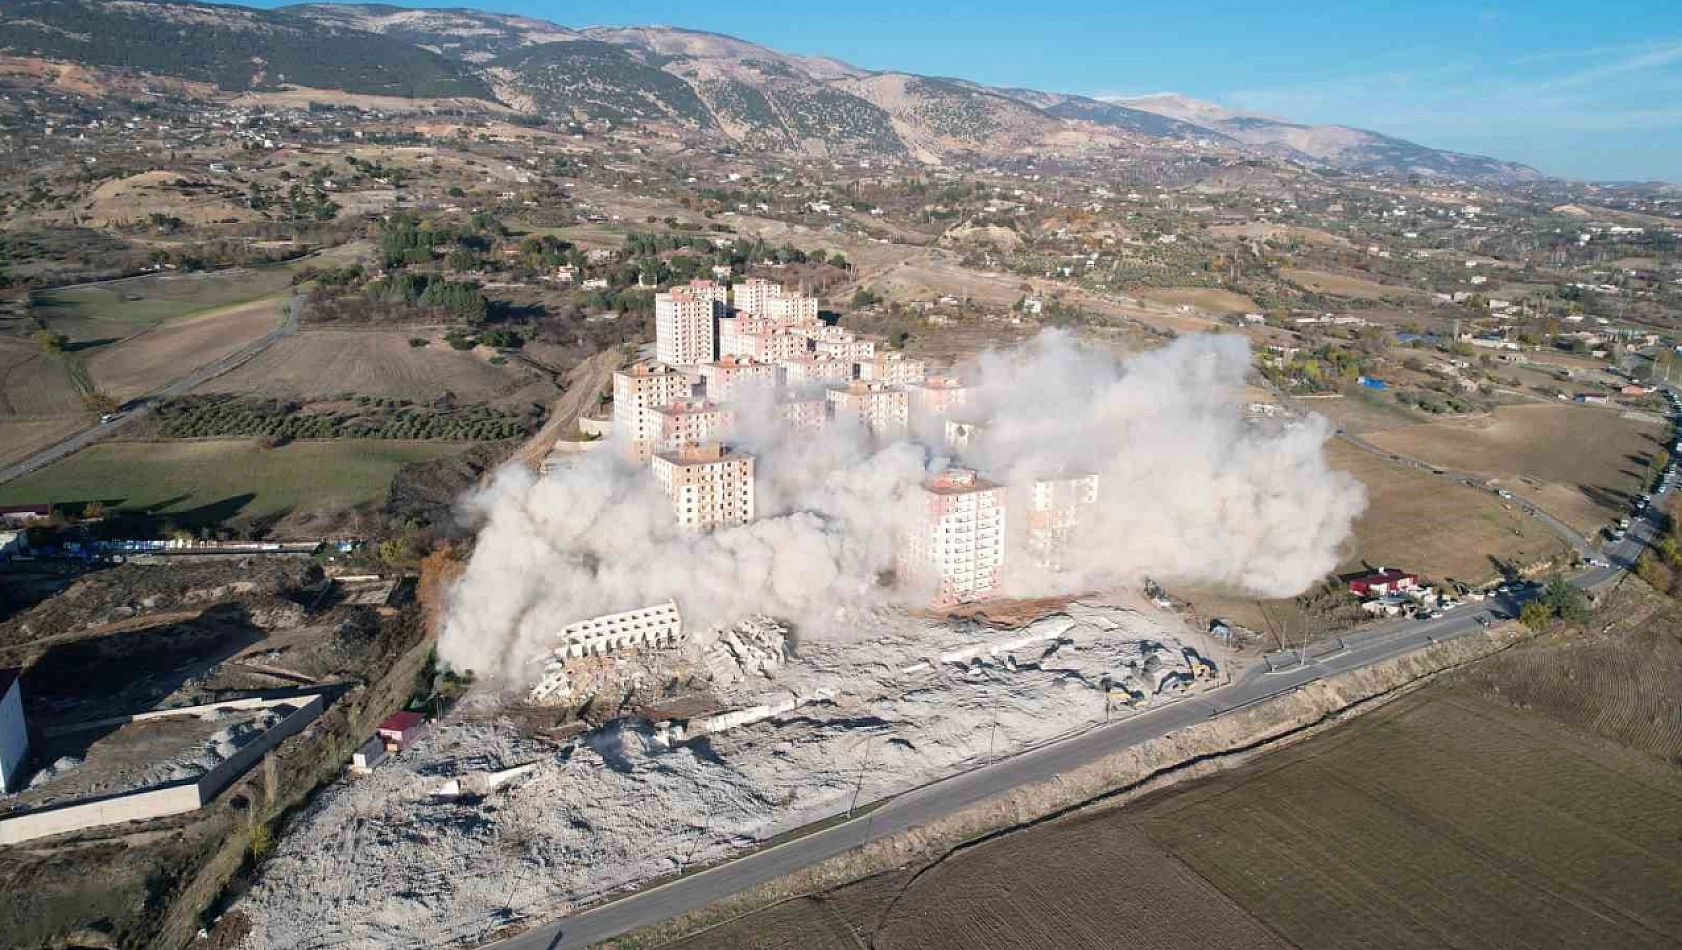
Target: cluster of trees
[
  {"x": 1558, "y": 601},
  {"x": 373, "y": 418},
  {"x": 463, "y": 298}
]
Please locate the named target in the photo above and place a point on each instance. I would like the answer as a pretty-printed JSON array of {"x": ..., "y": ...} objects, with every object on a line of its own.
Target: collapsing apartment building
[{"x": 718, "y": 344}]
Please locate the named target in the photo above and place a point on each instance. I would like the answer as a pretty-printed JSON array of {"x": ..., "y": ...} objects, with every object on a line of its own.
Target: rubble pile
[{"x": 478, "y": 823}]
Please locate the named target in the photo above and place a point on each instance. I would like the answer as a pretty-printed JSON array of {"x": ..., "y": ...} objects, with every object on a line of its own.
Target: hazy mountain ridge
[
  {"x": 1342, "y": 146},
  {"x": 689, "y": 79}
]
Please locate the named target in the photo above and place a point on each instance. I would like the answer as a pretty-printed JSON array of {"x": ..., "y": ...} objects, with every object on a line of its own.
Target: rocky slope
[{"x": 758, "y": 98}]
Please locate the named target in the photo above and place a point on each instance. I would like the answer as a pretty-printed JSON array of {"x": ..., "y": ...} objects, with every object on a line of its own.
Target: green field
[
  {"x": 118, "y": 308},
  {"x": 142, "y": 301},
  {"x": 224, "y": 479}
]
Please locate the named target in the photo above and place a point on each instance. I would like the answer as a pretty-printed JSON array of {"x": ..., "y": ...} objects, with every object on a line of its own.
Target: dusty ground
[
  {"x": 1582, "y": 463},
  {"x": 151, "y": 359},
  {"x": 319, "y": 364}
]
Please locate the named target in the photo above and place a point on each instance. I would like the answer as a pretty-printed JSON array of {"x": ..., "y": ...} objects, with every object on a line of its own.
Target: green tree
[
  {"x": 1536, "y": 616},
  {"x": 1565, "y": 601}
]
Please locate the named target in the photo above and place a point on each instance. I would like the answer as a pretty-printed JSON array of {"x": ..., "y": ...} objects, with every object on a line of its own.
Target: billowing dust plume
[{"x": 1189, "y": 492}]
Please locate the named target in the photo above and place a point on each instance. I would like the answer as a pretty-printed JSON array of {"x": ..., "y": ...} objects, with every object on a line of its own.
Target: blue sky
[{"x": 1580, "y": 88}]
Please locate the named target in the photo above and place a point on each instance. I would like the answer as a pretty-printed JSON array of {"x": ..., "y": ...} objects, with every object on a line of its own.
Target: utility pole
[{"x": 859, "y": 788}]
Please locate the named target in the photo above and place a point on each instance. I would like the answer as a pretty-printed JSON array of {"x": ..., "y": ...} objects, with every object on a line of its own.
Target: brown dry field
[
  {"x": 165, "y": 352},
  {"x": 1451, "y": 817},
  {"x": 1341, "y": 285},
  {"x": 138, "y": 196},
  {"x": 1204, "y": 298},
  {"x": 1415, "y": 520},
  {"x": 38, "y": 402},
  {"x": 1433, "y": 524},
  {"x": 319, "y": 364},
  {"x": 1581, "y": 463}
]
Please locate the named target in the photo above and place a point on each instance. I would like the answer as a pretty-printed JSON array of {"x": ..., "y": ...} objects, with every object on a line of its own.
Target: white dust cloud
[{"x": 1188, "y": 492}]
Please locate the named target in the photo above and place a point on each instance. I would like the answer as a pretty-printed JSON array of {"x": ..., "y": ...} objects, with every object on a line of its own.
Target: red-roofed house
[
  {"x": 1383, "y": 581},
  {"x": 401, "y": 729}
]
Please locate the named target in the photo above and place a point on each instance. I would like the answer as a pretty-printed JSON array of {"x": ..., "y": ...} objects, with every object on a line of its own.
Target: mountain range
[{"x": 694, "y": 81}]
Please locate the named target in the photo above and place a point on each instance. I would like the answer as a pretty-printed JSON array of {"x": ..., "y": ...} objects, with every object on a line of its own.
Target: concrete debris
[{"x": 421, "y": 853}]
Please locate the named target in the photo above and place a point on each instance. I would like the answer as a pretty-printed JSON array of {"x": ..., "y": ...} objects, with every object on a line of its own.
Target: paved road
[{"x": 142, "y": 406}]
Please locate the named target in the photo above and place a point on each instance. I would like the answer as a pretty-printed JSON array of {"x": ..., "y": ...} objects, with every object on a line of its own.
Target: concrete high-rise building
[
  {"x": 843, "y": 344},
  {"x": 684, "y": 326},
  {"x": 962, "y": 436},
  {"x": 879, "y": 407},
  {"x": 639, "y": 390},
  {"x": 752, "y": 297},
  {"x": 709, "y": 484},
  {"x": 892, "y": 368},
  {"x": 809, "y": 371},
  {"x": 933, "y": 400},
  {"x": 1058, "y": 510},
  {"x": 793, "y": 312},
  {"x": 769, "y": 345},
  {"x": 733, "y": 376},
  {"x": 957, "y": 546},
  {"x": 683, "y": 421},
  {"x": 804, "y": 413}
]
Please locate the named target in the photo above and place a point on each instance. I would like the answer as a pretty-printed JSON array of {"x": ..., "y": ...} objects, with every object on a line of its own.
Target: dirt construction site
[{"x": 738, "y": 737}]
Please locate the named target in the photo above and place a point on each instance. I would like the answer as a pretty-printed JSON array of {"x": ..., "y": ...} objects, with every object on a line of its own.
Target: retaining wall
[{"x": 162, "y": 801}]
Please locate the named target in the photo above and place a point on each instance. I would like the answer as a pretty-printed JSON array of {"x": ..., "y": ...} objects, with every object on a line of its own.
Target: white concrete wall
[{"x": 167, "y": 800}]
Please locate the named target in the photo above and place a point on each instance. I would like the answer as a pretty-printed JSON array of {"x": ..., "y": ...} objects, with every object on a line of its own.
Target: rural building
[
  {"x": 14, "y": 731},
  {"x": 683, "y": 327},
  {"x": 732, "y": 377},
  {"x": 709, "y": 484},
  {"x": 18, "y": 516},
  {"x": 959, "y": 544},
  {"x": 372, "y": 753},
  {"x": 400, "y": 730},
  {"x": 637, "y": 392},
  {"x": 1383, "y": 581},
  {"x": 883, "y": 409}
]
